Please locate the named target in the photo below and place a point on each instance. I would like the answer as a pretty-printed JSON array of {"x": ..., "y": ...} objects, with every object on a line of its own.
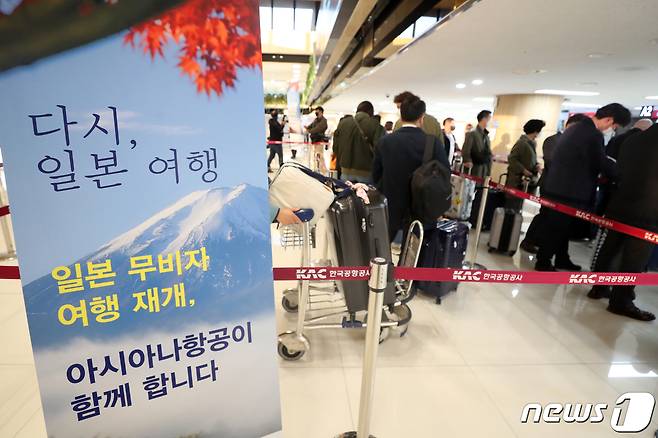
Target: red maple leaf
[{"x": 216, "y": 38}]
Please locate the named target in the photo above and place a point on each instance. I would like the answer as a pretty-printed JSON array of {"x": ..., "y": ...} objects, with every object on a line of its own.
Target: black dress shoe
[
  {"x": 567, "y": 266},
  {"x": 632, "y": 311},
  {"x": 529, "y": 247},
  {"x": 598, "y": 293},
  {"x": 544, "y": 267}
]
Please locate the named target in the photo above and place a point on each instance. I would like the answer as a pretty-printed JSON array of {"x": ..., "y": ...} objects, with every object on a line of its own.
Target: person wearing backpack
[
  {"x": 397, "y": 158},
  {"x": 354, "y": 143}
]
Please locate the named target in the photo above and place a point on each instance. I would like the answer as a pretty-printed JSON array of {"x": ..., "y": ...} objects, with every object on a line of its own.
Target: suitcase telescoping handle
[
  {"x": 526, "y": 184},
  {"x": 468, "y": 169}
]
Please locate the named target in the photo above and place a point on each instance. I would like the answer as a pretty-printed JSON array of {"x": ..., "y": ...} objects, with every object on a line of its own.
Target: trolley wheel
[
  {"x": 289, "y": 355},
  {"x": 288, "y": 306}
]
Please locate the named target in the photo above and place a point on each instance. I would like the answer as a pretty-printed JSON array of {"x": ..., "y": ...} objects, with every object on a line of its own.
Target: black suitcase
[
  {"x": 444, "y": 246},
  {"x": 495, "y": 199},
  {"x": 361, "y": 233}
]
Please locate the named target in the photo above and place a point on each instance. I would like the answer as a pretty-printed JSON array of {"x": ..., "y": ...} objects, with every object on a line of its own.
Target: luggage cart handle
[{"x": 305, "y": 214}]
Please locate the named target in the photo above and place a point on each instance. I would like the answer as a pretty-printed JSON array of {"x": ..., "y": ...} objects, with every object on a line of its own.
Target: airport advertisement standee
[{"x": 136, "y": 176}]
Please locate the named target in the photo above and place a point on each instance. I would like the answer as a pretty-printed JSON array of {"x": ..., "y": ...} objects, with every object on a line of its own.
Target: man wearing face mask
[
  {"x": 578, "y": 159},
  {"x": 317, "y": 128},
  {"x": 449, "y": 140},
  {"x": 477, "y": 147},
  {"x": 276, "y": 135}
]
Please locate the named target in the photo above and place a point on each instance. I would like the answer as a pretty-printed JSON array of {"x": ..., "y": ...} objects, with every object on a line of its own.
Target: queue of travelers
[{"x": 618, "y": 181}]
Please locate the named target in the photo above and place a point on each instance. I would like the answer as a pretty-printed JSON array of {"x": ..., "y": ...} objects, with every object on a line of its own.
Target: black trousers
[
  {"x": 514, "y": 203},
  {"x": 554, "y": 238},
  {"x": 536, "y": 228},
  {"x": 275, "y": 149},
  {"x": 622, "y": 253}
]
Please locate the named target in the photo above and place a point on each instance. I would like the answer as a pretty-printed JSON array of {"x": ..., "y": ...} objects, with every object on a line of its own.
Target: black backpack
[{"x": 431, "y": 190}]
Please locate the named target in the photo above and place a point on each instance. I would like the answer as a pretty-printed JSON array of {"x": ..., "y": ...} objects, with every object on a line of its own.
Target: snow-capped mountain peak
[{"x": 191, "y": 219}]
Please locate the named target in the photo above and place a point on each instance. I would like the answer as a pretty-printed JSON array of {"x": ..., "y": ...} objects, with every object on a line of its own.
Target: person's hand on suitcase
[{"x": 287, "y": 216}]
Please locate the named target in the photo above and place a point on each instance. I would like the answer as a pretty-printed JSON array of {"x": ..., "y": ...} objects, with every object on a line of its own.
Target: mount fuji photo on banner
[{"x": 132, "y": 139}]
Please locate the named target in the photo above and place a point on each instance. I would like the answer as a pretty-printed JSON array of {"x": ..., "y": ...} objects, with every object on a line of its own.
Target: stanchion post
[
  {"x": 5, "y": 227},
  {"x": 472, "y": 264},
  {"x": 377, "y": 285}
]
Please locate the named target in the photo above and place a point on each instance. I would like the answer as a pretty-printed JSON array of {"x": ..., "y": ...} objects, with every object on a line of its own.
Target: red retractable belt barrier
[
  {"x": 601, "y": 221},
  {"x": 9, "y": 273},
  {"x": 488, "y": 276},
  {"x": 472, "y": 276},
  {"x": 445, "y": 274}
]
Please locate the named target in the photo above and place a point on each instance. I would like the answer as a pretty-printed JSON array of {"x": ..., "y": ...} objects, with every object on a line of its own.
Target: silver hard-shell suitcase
[
  {"x": 505, "y": 231},
  {"x": 463, "y": 193}
]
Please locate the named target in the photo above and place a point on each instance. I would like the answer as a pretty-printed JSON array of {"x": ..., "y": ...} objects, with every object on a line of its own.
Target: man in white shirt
[{"x": 449, "y": 140}]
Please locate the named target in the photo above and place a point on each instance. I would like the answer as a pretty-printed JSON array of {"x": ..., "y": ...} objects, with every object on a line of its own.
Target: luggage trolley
[{"x": 316, "y": 301}]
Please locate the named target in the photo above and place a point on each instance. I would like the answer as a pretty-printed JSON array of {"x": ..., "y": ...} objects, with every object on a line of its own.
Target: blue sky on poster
[{"x": 149, "y": 96}]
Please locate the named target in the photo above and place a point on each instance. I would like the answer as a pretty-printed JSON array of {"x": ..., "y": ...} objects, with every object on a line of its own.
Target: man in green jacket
[
  {"x": 476, "y": 152},
  {"x": 430, "y": 126},
  {"x": 522, "y": 160},
  {"x": 318, "y": 126},
  {"x": 354, "y": 143}
]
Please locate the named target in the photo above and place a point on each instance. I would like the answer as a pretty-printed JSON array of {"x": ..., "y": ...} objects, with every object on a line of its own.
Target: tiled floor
[{"x": 466, "y": 368}]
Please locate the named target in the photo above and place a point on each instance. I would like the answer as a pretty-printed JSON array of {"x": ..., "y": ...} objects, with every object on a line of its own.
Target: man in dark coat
[
  {"x": 635, "y": 202},
  {"x": 397, "y": 156},
  {"x": 276, "y": 134},
  {"x": 578, "y": 160},
  {"x": 612, "y": 149},
  {"x": 532, "y": 236}
]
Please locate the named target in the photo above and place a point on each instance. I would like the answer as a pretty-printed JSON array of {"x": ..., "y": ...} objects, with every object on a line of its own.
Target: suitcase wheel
[
  {"x": 491, "y": 249},
  {"x": 511, "y": 253},
  {"x": 438, "y": 300}
]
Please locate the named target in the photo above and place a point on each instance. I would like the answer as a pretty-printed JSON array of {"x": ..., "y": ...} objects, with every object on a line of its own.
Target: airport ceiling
[{"x": 609, "y": 47}]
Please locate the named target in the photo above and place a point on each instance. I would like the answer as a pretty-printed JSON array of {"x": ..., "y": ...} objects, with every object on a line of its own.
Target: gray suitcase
[
  {"x": 505, "y": 231},
  {"x": 463, "y": 193}
]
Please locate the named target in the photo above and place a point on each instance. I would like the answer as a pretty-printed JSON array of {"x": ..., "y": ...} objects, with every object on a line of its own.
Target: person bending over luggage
[
  {"x": 522, "y": 161},
  {"x": 578, "y": 160},
  {"x": 397, "y": 156},
  {"x": 354, "y": 141},
  {"x": 635, "y": 202}
]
